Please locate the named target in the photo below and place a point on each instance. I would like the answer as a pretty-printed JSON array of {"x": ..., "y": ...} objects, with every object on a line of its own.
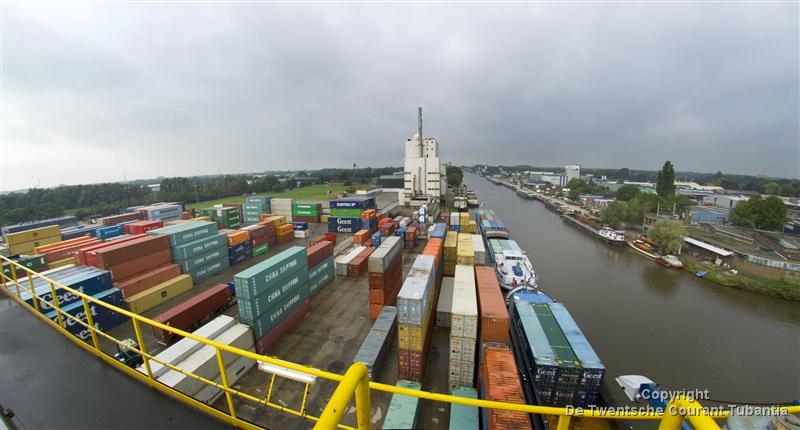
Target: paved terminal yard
[{"x": 327, "y": 338}]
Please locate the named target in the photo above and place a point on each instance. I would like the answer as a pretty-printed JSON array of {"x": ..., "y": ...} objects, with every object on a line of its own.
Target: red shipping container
[
  {"x": 491, "y": 307},
  {"x": 186, "y": 216},
  {"x": 80, "y": 256},
  {"x": 256, "y": 231},
  {"x": 499, "y": 378},
  {"x": 137, "y": 284},
  {"x": 317, "y": 239},
  {"x": 119, "y": 253},
  {"x": 142, "y": 226},
  {"x": 265, "y": 343},
  {"x": 318, "y": 252},
  {"x": 358, "y": 265},
  {"x": 69, "y": 251},
  {"x": 189, "y": 313},
  {"x": 272, "y": 238},
  {"x": 305, "y": 218},
  {"x": 375, "y": 310},
  {"x": 116, "y": 219},
  {"x": 136, "y": 266},
  {"x": 269, "y": 225},
  {"x": 258, "y": 241}
]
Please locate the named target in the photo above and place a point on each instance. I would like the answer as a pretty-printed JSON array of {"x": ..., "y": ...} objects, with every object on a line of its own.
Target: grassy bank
[
  {"x": 745, "y": 281},
  {"x": 312, "y": 192}
]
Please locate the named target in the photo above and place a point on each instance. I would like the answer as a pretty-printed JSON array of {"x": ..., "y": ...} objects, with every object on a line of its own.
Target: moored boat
[
  {"x": 525, "y": 194},
  {"x": 670, "y": 261},
  {"x": 644, "y": 248}
]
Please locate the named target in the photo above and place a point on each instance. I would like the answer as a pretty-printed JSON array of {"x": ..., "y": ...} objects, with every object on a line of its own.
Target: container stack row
[
  {"x": 225, "y": 217},
  {"x": 272, "y": 290},
  {"x": 558, "y": 358},
  {"x": 343, "y": 261},
  {"x": 386, "y": 227},
  {"x": 89, "y": 280},
  {"x": 349, "y": 215},
  {"x": 415, "y": 314},
  {"x": 282, "y": 207},
  {"x": 463, "y": 328},
  {"x": 450, "y": 253},
  {"x": 320, "y": 265},
  {"x": 24, "y": 242},
  {"x": 63, "y": 252},
  {"x": 198, "y": 247},
  {"x": 239, "y": 246},
  {"x": 385, "y": 266},
  {"x": 499, "y": 381},
  {"x": 465, "y": 253},
  {"x": 378, "y": 341},
  {"x": 306, "y": 211},
  {"x": 254, "y": 206},
  {"x": 259, "y": 243},
  {"x": 64, "y": 221}
]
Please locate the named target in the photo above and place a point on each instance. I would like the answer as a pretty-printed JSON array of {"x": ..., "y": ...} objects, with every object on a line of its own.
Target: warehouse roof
[{"x": 709, "y": 247}]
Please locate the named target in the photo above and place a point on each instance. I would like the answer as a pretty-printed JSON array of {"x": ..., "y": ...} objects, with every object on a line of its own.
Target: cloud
[{"x": 95, "y": 92}]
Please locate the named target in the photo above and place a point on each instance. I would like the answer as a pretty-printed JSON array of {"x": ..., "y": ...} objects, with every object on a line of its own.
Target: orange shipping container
[
  {"x": 237, "y": 237},
  {"x": 64, "y": 243},
  {"x": 361, "y": 237},
  {"x": 491, "y": 307},
  {"x": 146, "y": 280},
  {"x": 434, "y": 247},
  {"x": 264, "y": 217},
  {"x": 284, "y": 229},
  {"x": 70, "y": 250},
  {"x": 500, "y": 381}
]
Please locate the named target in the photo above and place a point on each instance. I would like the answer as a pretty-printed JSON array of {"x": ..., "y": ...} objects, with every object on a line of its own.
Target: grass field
[
  {"x": 746, "y": 281},
  {"x": 312, "y": 192}
]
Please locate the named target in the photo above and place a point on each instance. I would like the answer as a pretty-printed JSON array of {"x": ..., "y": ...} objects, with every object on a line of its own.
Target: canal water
[{"x": 644, "y": 319}]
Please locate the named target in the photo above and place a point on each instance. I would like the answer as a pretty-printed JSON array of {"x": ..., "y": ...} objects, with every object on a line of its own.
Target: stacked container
[
  {"x": 258, "y": 238},
  {"x": 186, "y": 315},
  {"x": 140, "y": 227},
  {"x": 271, "y": 222},
  {"x": 117, "y": 219},
  {"x": 450, "y": 253},
  {"x": 480, "y": 250},
  {"x": 499, "y": 381},
  {"x": 110, "y": 231},
  {"x": 455, "y": 223},
  {"x": 403, "y": 410},
  {"x": 269, "y": 291},
  {"x": 161, "y": 212},
  {"x": 197, "y": 247},
  {"x": 78, "y": 231},
  {"x": 464, "y": 417},
  {"x": 362, "y": 237},
  {"x": 239, "y": 246},
  {"x": 385, "y": 266},
  {"x": 445, "y": 304},
  {"x": 369, "y": 220},
  {"x": 434, "y": 248},
  {"x": 494, "y": 327},
  {"x": 24, "y": 242},
  {"x": 300, "y": 229},
  {"x": 410, "y": 238},
  {"x": 36, "y": 262},
  {"x": 88, "y": 280},
  {"x": 375, "y": 241},
  {"x": 558, "y": 375},
  {"x": 378, "y": 341},
  {"x": 282, "y": 207},
  {"x": 341, "y": 262},
  {"x": 284, "y": 233},
  {"x": 439, "y": 231},
  {"x": 254, "y": 206},
  {"x": 63, "y": 252},
  {"x": 386, "y": 226},
  {"x": 346, "y": 214},
  {"x": 415, "y": 315},
  {"x": 463, "y": 328},
  {"x": 465, "y": 254},
  {"x": 306, "y": 211},
  {"x": 226, "y": 217},
  {"x": 358, "y": 264},
  {"x": 320, "y": 265}
]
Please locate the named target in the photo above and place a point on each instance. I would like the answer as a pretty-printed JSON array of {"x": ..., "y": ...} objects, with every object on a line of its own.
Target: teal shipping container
[
  {"x": 273, "y": 271},
  {"x": 269, "y": 320},
  {"x": 199, "y": 246},
  {"x": 250, "y": 310},
  {"x": 403, "y": 410},
  {"x": 182, "y": 233},
  {"x": 464, "y": 417},
  {"x": 320, "y": 275},
  {"x": 203, "y": 259},
  {"x": 211, "y": 268}
]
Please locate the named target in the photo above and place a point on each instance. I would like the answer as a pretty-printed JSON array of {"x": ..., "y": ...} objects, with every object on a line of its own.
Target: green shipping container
[
  {"x": 186, "y": 232},
  {"x": 403, "y": 410},
  {"x": 250, "y": 310},
  {"x": 320, "y": 275},
  {"x": 212, "y": 268},
  {"x": 306, "y": 209},
  {"x": 260, "y": 249},
  {"x": 346, "y": 212},
  {"x": 269, "y": 320},
  {"x": 195, "y": 247},
  {"x": 33, "y": 262},
  {"x": 462, "y": 416},
  {"x": 203, "y": 259},
  {"x": 274, "y": 270}
]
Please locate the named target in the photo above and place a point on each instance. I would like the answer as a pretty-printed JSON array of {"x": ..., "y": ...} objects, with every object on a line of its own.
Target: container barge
[{"x": 606, "y": 234}]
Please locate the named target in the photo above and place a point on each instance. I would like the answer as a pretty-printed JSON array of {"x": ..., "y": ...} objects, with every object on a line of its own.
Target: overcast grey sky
[{"x": 95, "y": 92}]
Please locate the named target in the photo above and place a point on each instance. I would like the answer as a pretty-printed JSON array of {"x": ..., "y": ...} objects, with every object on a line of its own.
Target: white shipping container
[
  {"x": 185, "y": 347},
  {"x": 462, "y": 349},
  {"x": 461, "y": 374},
  {"x": 209, "y": 394},
  {"x": 203, "y": 362},
  {"x": 480, "y": 250},
  {"x": 455, "y": 218},
  {"x": 464, "y": 321},
  {"x": 384, "y": 255},
  {"x": 341, "y": 262},
  {"x": 301, "y": 234},
  {"x": 414, "y": 295},
  {"x": 445, "y": 305}
]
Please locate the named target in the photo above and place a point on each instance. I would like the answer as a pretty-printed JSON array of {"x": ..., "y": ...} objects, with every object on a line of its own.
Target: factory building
[{"x": 424, "y": 173}]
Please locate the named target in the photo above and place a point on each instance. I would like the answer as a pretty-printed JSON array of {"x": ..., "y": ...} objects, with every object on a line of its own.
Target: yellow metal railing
[{"x": 355, "y": 381}]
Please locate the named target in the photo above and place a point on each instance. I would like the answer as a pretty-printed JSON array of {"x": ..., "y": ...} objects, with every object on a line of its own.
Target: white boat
[
  {"x": 670, "y": 261},
  {"x": 514, "y": 269},
  {"x": 614, "y": 237}
]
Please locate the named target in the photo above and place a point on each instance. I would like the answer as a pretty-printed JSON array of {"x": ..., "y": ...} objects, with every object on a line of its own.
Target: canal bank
[{"x": 676, "y": 329}]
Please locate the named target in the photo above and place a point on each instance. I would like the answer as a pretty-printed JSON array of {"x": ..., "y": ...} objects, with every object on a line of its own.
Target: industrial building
[
  {"x": 424, "y": 173},
  {"x": 724, "y": 201}
]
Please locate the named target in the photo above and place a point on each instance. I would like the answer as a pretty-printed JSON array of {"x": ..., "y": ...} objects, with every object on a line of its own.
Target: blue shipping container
[
  {"x": 240, "y": 248},
  {"x": 109, "y": 232},
  {"x": 353, "y": 203},
  {"x": 103, "y": 318},
  {"x": 353, "y": 222},
  {"x": 88, "y": 280},
  {"x": 299, "y": 226}
]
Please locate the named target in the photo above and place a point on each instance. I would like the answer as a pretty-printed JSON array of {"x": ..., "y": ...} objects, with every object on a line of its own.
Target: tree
[
  {"x": 665, "y": 181},
  {"x": 627, "y": 192},
  {"x": 772, "y": 188},
  {"x": 454, "y": 176},
  {"x": 668, "y": 234},
  {"x": 615, "y": 214},
  {"x": 762, "y": 213}
]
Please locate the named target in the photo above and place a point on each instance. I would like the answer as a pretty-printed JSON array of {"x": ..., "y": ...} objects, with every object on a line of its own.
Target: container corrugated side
[
  {"x": 445, "y": 305},
  {"x": 342, "y": 261},
  {"x": 320, "y": 275},
  {"x": 258, "y": 278},
  {"x": 195, "y": 247},
  {"x": 251, "y": 309},
  {"x": 384, "y": 255},
  {"x": 158, "y": 294},
  {"x": 403, "y": 410},
  {"x": 464, "y": 417},
  {"x": 465, "y": 304},
  {"x": 378, "y": 341},
  {"x": 415, "y": 293}
]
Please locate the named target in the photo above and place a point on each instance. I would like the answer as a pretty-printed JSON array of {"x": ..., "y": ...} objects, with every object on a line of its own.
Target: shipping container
[
  {"x": 465, "y": 304},
  {"x": 110, "y": 231},
  {"x": 140, "y": 227},
  {"x": 353, "y": 203},
  {"x": 183, "y": 348},
  {"x": 64, "y": 221},
  {"x": 318, "y": 252},
  {"x": 287, "y": 323},
  {"x": 464, "y": 417},
  {"x": 479, "y": 249},
  {"x": 33, "y": 235},
  {"x": 343, "y": 260},
  {"x": 136, "y": 266},
  {"x": 36, "y": 262},
  {"x": 403, "y": 410},
  {"x": 87, "y": 280},
  {"x": 378, "y": 341},
  {"x": 494, "y": 313},
  {"x": 202, "y": 260},
  {"x": 209, "y": 269},
  {"x": 158, "y": 294},
  {"x": 445, "y": 305},
  {"x": 122, "y": 252},
  {"x": 358, "y": 265},
  {"x": 320, "y": 275},
  {"x": 251, "y": 309},
  {"x": 189, "y": 313},
  {"x": 102, "y": 317},
  {"x": 137, "y": 284},
  {"x": 262, "y": 276},
  {"x": 186, "y": 232},
  {"x": 385, "y": 254},
  {"x": 499, "y": 382},
  {"x": 269, "y": 320}
]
